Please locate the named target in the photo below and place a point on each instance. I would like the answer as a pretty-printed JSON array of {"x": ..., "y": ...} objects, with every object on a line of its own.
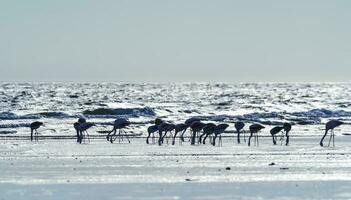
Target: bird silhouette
[
  {"x": 76, "y": 127},
  {"x": 207, "y": 131},
  {"x": 151, "y": 130},
  {"x": 188, "y": 122},
  {"x": 34, "y": 130},
  {"x": 119, "y": 124},
  {"x": 274, "y": 131},
  {"x": 196, "y": 127},
  {"x": 179, "y": 128},
  {"x": 254, "y": 129},
  {"x": 163, "y": 129},
  {"x": 168, "y": 129},
  {"x": 238, "y": 127},
  {"x": 83, "y": 128},
  {"x": 218, "y": 130},
  {"x": 329, "y": 126}
]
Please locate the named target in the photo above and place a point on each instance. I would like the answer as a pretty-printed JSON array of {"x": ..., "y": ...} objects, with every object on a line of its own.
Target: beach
[{"x": 62, "y": 169}]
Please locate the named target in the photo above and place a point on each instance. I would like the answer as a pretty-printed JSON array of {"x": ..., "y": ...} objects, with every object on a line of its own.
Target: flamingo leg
[
  {"x": 87, "y": 136},
  {"x": 126, "y": 135},
  {"x": 214, "y": 140},
  {"x": 333, "y": 139},
  {"x": 147, "y": 138},
  {"x": 163, "y": 136},
  {"x": 175, "y": 135},
  {"x": 168, "y": 136},
  {"x": 287, "y": 138},
  {"x": 273, "y": 138},
  {"x": 182, "y": 135},
  {"x": 84, "y": 136},
  {"x": 249, "y": 140},
  {"x": 171, "y": 135},
  {"x": 119, "y": 135},
  {"x": 80, "y": 136},
  {"x": 77, "y": 135},
  {"x": 204, "y": 140},
  {"x": 193, "y": 138},
  {"x": 238, "y": 137},
  {"x": 108, "y": 136},
  {"x": 330, "y": 138},
  {"x": 200, "y": 138},
  {"x": 325, "y": 134},
  {"x": 160, "y": 138},
  {"x": 220, "y": 140},
  {"x": 122, "y": 135},
  {"x": 112, "y": 136},
  {"x": 255, "y": 139}
]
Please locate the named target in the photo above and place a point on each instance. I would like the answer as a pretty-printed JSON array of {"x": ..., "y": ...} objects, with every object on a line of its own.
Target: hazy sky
[{"x": 178, "y": 40}]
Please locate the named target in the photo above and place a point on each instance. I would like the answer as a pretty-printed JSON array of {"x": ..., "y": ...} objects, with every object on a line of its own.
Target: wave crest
[{"x": 146, "y": 111}]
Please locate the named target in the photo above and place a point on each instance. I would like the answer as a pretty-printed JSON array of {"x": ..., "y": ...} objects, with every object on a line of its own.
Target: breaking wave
[
  {"x": 134, "y": 112},
  {"x": 12, "y": 116}
]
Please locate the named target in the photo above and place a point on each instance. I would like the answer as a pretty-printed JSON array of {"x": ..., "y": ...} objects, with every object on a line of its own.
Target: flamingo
[
  {"x": 188, "y": 122},
  {"x": 274, "y": 131},
  {"x": 83, "y": 127},
  {"x": 196, "y": 127},
  {"x": 254, "y": 129},
  {"x": 330, "y": 126},
  {"x": 120, "y": 124},
  {"x": 219, "y": 129},
  {"x": 34, "y": 129},
  {"x": 179, "y": 128},
  {"x": 239, "y": 126},
  {"x": 151, "y": 130},
  {"x": 207, "y": 131},
  {"x": 76, "y": 126},
  {"x": 164, "y": 127},
  {"x": 168, "y": 129}
]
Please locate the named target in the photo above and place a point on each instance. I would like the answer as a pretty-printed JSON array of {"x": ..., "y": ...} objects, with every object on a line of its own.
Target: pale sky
[{"x": 175, "y": 40}]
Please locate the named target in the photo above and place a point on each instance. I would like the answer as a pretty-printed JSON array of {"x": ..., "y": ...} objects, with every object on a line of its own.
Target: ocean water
[
  {"x": 58, "y": 105},
  {"x": 62, "y": 169}
]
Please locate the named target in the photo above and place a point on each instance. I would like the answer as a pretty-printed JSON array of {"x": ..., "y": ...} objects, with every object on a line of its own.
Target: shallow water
[
  {"x": 62, "y": 169},
  {"x": 59, "y": 104}
]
